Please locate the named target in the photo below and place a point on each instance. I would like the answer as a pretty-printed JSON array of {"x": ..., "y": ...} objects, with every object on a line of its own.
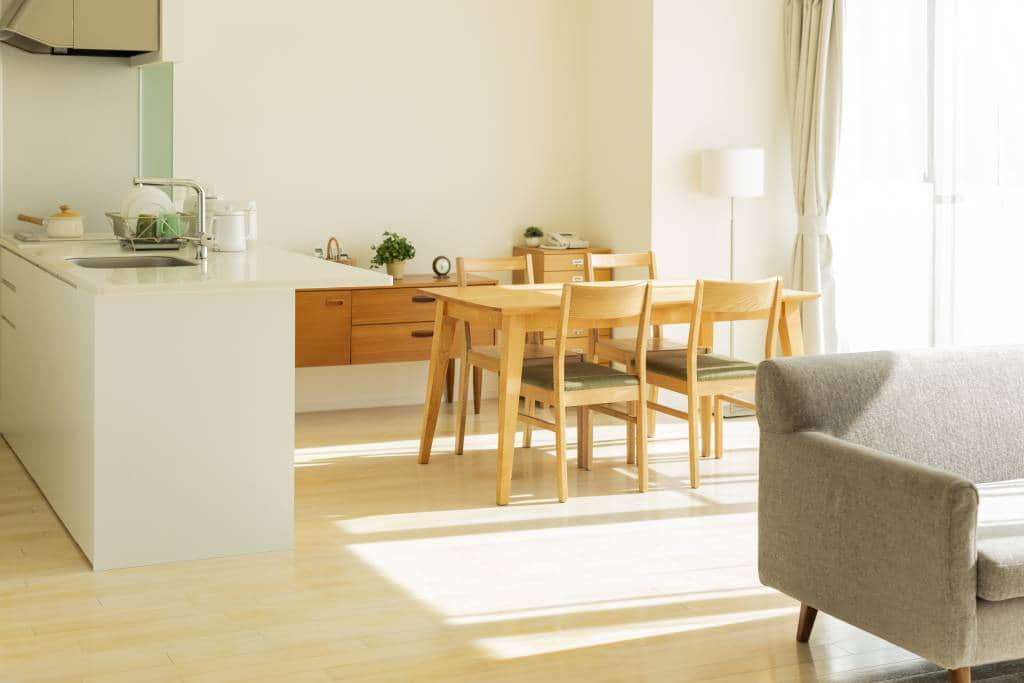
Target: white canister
[{"x": 231, "y": 230}]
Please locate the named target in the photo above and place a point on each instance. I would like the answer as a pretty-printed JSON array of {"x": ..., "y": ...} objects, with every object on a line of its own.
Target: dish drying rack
[{"x": 125, "y": 228}]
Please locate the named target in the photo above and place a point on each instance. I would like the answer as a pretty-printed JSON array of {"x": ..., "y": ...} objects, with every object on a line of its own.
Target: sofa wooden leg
[
  {"x": 806, "y": 624},
  {"x": 961, "y": 675}
]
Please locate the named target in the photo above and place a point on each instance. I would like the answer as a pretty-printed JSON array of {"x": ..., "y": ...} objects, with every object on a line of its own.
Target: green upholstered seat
[
  {"x": 579, "y": 376},
  {"x": 709, "y": 366}
]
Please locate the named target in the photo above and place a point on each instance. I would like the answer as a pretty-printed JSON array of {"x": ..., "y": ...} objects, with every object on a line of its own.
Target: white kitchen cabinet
[
  {"x": 45, "y": 368},
  {"x": 155, "y": 407}
]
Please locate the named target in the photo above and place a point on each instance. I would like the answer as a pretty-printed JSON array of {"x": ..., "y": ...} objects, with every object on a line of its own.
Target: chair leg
[
  {"x": 693, "y": 411},
  {"x": 449, "y": 380},
  {"x": 652, "y": 419},
  {"x": 478, "y": 389},
  {"x": 584, "y": 438},
  {"x": 806, "y": 623},
  {"x": 719, "y": 427},
  {"x": 705, "y": 426},
  {"x": 961, "y": 675},
  {"x": 563, "y": 470},
  {"x": 460, "y": 416},
  {"x": 631, "y": 436},
  {"x": 641, "y": 444},
  {"x": 531, "y": 410}
]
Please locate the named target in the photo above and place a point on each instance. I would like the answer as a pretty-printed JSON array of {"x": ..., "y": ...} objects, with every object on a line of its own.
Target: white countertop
[{"x": 261, "y": 267}]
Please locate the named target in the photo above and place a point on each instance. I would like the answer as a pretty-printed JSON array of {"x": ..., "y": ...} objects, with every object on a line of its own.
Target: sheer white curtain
[{"x": 927, "y": 211}]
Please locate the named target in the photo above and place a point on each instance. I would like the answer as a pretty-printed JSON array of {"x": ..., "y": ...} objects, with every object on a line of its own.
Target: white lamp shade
[{"x": 733, "y": 172}]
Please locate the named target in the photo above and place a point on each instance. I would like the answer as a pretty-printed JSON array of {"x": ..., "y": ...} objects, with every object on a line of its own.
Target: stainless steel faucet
[{"x": 203, "y": 239}]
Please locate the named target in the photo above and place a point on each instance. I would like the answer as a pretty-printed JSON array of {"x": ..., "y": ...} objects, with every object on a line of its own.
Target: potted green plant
[
  {"x": 393, "y": 251},
  {"x": 533, "y": 235}
]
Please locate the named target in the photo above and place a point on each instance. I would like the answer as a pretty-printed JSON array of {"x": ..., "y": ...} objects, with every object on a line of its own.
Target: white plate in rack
[{"x": 145, "y": 200}]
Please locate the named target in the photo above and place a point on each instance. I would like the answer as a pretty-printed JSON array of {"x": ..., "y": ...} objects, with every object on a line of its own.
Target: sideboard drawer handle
[
  {"x": 420, "y": 334},
  {"x": 577, "y": 262},
  {"x": 423, "y": 299},
  {"x": 577, "y": 278},
  {"x": 578, "y": 333},
  {"x": 5, "y": 319},
  {"x": 335, "y": 302},
  {"x": 9, "y": 285}
]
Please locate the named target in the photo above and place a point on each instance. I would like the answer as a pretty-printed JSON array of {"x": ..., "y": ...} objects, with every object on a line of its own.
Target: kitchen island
[{"x": 154, "y": 407}]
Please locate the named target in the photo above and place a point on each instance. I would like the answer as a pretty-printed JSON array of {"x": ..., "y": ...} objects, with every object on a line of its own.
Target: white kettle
[{"x": 233, "y": 226}]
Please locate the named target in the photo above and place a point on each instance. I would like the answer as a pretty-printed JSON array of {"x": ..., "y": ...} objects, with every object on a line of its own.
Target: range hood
[{"x": 86, "y": 27}]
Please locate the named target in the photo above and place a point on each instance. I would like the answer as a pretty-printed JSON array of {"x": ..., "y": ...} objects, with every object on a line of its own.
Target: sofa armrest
[{"x": 883, "y": 543}]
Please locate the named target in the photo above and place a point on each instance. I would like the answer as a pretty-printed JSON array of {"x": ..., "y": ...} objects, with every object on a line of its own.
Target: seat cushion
[
  {"x": 579, "y": 376},
  {"x": 709, "y": 366},
  {"x": 1001, "y": 540}
]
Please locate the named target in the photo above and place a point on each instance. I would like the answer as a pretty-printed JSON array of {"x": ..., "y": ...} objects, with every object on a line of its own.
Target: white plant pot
[
  {"x": 396, "y": 269},
  {"x": 533, "y": 241}
]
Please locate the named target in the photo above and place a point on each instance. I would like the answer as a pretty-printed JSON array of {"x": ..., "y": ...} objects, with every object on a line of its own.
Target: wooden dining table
[{"x": 518, "y": 309}]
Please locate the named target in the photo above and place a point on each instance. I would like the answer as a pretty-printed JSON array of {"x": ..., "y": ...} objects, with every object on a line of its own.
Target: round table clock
[{"x": 442, "y": 267}]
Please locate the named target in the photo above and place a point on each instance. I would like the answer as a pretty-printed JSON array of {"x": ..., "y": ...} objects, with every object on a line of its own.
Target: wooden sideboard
[
  {"x": 563, "y": 265},
  {"x": 371, "y": 325}
]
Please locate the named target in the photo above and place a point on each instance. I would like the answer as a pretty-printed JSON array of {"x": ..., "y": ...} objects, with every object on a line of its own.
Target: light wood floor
[{"x": 409, "y": 573}]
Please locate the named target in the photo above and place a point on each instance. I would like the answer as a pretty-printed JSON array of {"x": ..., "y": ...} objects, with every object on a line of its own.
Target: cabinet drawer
[
  {"x": 403, "y": 341},
  {"x": 550, "y": 332},
  {"x": 564, "y": 262},
  {"x": 8, "y": 300},
  {"x": 573, "y": 345},
  {"x": 400, "y": 305},
  {"x": 13, "y": 269},
  {"x": 323, "y": 324},
  {"x": 14, "y": 278},
  {"x": 576, "y": 276}
]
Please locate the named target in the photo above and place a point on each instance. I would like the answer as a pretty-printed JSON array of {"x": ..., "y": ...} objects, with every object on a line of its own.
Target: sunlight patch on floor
[
  {"x": 641, "y": 601},
  {"x": 533, "y": 644}
]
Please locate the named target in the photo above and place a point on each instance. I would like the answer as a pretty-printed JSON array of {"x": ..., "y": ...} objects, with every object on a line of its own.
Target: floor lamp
[{"x": 732, "y": 173}]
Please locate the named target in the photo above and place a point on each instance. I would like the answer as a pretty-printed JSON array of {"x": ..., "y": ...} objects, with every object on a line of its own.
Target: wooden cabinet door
[
  {"x": 131, "y": 25},
  {"x": 323, "y": 328}
]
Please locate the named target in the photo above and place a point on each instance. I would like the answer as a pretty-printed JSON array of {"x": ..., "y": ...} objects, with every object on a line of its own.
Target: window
[{"x": 931, "y": 173}]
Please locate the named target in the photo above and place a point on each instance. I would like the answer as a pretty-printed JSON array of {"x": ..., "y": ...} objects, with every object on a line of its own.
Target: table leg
[
  {"x": 440, "y": 351},
  {"x": 791, "y": 333},
  {"x": 513, "y": 338}
]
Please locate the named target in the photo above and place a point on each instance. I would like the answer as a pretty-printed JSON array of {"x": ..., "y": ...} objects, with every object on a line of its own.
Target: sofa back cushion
[{"x": 958, "y": 410}]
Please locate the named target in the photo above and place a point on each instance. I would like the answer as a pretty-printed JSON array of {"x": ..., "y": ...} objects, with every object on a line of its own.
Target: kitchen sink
[{"x": 130, "y": 261}]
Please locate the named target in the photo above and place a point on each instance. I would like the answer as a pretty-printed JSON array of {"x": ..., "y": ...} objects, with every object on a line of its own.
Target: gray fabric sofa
[{"x": 892, "y": 497}]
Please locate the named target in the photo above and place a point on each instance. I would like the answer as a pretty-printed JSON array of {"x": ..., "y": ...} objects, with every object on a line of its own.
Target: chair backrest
[
  {"x": 641, "y": 259},
  {"x": 502, "y": 264},
  {"x": 753, "y": 299},
  {"x": 600, "y": 306}
]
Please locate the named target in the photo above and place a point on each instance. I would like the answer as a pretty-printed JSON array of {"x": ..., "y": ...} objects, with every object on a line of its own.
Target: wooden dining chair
[
  {"x": 620, "y": 349},
  {"x": 700, "y": 375},
  {"x": 591, "y": 386},
  {"x": 476, "y": 359}
]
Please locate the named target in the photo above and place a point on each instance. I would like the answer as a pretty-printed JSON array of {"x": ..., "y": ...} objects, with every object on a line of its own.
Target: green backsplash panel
[{"x": 156, "y": 120}]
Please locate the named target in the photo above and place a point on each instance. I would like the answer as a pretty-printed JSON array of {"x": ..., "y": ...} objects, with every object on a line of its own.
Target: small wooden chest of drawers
[
  {"x": 564, "y": 265},
  {"x": 373, "y": 325},
  {"x": 561, "y": 265}
]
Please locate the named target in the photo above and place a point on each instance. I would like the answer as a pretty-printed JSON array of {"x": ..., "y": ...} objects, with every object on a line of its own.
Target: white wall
[
  {"x": 719, "y": 81},
  {"x": 617, "y": 105},
  {"x": 70, "y": 136},
  {"x": 454, "y": 123}
]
